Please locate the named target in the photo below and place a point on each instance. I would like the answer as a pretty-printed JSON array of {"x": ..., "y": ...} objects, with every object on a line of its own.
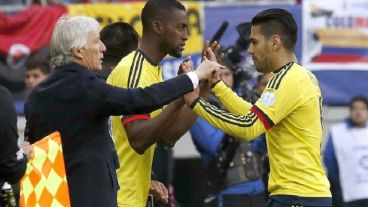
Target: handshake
[
  {"x": 208, "y": 70},
  {"x": 208, "y": 67}
]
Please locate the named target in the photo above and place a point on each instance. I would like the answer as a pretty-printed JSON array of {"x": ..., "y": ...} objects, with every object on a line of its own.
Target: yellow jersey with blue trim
[
  {"x": 289, "y": 111},
  {"x": 134, "y": 175}
]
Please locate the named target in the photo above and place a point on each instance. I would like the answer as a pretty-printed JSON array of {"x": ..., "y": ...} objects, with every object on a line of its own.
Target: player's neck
[
  {"x": 151, "y": 48},
  {"x": 284, "y": 59}
]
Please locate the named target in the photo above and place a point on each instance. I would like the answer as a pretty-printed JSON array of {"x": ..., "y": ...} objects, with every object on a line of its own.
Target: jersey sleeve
[
  {"x": 278, "y": 100},
  {"x": 229, "y": 99},
  {"x": 121, "y": 77},
  {"x": 125, "y": 76},
  {"x": 246, "y": 127}
]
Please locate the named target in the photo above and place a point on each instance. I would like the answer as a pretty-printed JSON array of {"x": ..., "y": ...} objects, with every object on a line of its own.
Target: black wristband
[
  {"x": 213, "y": 85},
  {"x": 194, "y": 102}
]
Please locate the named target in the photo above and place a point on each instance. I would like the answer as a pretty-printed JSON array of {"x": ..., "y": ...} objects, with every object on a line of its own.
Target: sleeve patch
[{"x": 268, "y": 98}]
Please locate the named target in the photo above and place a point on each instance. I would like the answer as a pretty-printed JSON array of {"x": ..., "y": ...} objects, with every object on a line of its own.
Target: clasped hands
[{"x": 208, "y": 71}]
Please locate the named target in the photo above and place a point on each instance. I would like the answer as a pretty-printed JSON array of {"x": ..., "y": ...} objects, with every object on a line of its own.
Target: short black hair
[
  {"x": 120, "y": 39},
  {"x": 37, "y": 63},
  {"x": 278, "y": 21},
  {"x": 362, "y": 99},
  {"x": 158, "y": 10}
]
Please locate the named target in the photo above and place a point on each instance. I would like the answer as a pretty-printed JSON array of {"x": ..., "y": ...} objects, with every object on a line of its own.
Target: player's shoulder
[
  {"x": 304, "y": 77},
  {"x": 291, "y": 73},
  {"x": 126, "y": 62},
  {"x": 280, "y": 76},
  {"x": 119, "y": 75},
  {"x": 299, "y": 71}
]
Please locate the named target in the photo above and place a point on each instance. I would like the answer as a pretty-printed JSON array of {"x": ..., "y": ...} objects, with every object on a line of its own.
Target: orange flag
[{"x": 45, "y": 183}]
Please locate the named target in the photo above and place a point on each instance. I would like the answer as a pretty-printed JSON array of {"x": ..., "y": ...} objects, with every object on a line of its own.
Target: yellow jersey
[
  {"x": 134, "y": 175},
  {"x": 289, "y": 111}
]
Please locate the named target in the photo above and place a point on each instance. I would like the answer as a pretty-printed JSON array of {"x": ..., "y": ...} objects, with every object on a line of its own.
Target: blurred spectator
[
  {"x": 120, "y": 39},
  {"x": 242, "y": 183},
  {"x": 36, "y": 71},
  {"x": 346, "y": 157}
]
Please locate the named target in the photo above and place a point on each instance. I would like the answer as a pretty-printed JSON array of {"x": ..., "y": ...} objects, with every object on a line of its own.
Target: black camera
[
  {"x": 234, "y": 60},
  {"x": 234, "y": 54}
]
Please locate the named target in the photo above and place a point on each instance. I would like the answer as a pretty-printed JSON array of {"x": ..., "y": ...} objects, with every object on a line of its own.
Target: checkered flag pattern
[{"x": 45, "y": 183}]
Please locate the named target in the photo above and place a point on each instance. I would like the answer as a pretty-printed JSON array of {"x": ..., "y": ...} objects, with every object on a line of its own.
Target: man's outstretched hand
[
  {"x": 215, "y": 47},
  {"x": 208, "y": 67}
]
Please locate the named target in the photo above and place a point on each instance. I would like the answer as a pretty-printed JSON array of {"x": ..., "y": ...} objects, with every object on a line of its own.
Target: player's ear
[
  {"x": 275, "y": 41},
  {"x": 157, "y": 27},
  {"x": 78, "y": 53}
]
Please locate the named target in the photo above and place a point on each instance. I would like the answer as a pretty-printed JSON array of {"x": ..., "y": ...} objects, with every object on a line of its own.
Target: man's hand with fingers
[
  {"x": 206, "y": 68},
  {"x": 214, "y": 78},
  {"x": 159, "y": 191},
  {"x": 186, "y": 66},
  {"x": 25, "y": 148},
  {"x": 215, "y": 47}
]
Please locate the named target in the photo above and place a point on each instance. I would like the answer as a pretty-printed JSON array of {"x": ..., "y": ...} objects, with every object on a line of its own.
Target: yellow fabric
[
  {"x": 292, "y": 104},
  {"x": 246, "y": 126},
  {"x": 134, "y": 174},
  {"x": 229, "y": 99},
  {"x": 45, "y": 183}
]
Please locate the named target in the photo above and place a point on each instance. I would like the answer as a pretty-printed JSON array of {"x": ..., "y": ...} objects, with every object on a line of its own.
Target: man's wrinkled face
[{"x": 93, "y": 52}]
